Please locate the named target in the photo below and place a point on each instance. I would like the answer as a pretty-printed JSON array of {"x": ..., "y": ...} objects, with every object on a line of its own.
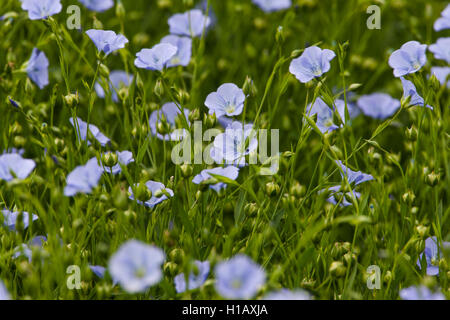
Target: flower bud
[
  {"x": 337, "y": 269},
  {"x": 104, "y": 71},
  {"x": 420, "y": 246},
  {"x": 159, "y": 89},
  {"x": 409, "y": 197},
  {"x": 71, "y": 100},
  {"x": 432, "y": 179},
  {"x": 272, "y": 189},
  {"x": 251, "y": 209},
  {"x": 249, "y": 87},
  {"x": 177, "y": 255},
  {"x": 298, "y": 190},
  {"x": 120, "y": 10},
  {"x": 110, "y": 159},
  {"x": 422, "y": 231},
  {"x": 186, "y": 170},
  {"x": 434, "y": 83},
  {"x": 143, "y": 193},
  {"x": 296, "y": 53},
  {"x": 194, "y": 115},
  {"x": 411, "y": 133},
  {"x": 210, "y": 120},
  {"x": 171, "y": 269},
  {"x": 387, "y": 277},
  {"x": 279, "y": 36}
]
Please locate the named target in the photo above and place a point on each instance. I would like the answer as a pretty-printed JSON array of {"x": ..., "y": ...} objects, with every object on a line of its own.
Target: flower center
[
  {"x": 236, "y": 284},
  {"x": 140, "y": 273},
  {"x": 230, "y": 108}
]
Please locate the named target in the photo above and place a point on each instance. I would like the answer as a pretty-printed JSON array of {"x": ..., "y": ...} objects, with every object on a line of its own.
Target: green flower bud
[
  {"x": 337, "y": 269},
  {"x": 143, "y": 193},
  {"x": 422, "y": 231},
  {"x": 296, "y": 53},
  {"x": 171, "y": 269},
  {"x": 279, "y": 36},
  {"x": 59, "y": 144},
  {"x": 159, "y": 89},
  {"x": 434, "y": 83},
  {"x": 272, "y": 189},
  {"x": 251, "y": 209},
  {"x": 97, "y": 24},
  {"x": 19, "y": 142},
  {"x": 186, "y": 170},
  {"x": 210, "y": 120},
  {"x": 433, "y": 179},
  {"x": 411, "y": 133},
  {"x": 177, "y": 256},
  {"x": 120, "y": 10},
  {"x": 409, "y": 197},
  {"x": 387, "y": 277},
  {"x": 104, "y": 71},
  {"x": 249, "y": 87},
  {"x": 298, "y": 190},
  {"x": 110, "y": 159},
  {"x": 420, "y": 246},
  {"x": 71, "y": 100},
  {"x": 194, "y": 115}
]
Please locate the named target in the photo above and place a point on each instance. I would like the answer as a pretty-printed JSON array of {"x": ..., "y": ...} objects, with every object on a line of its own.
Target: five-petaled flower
[
  {"x": 98, "y": 5},
  {"x": 205, "y": 176},
  {"x": 410, "y": 58},
  {"x": 195, "y": 279},
  {"x": 433, "y": 253},
  {"x": 12, "y": 165},
  {"x": 184, "y": 52},
  {"x": 10, "y": 219},
  {"x": 41, "y": 9},
  {"x": 441, "y": 49},
  {"x": 313, "y": 63},
  {"x": 234, "y": 145},
  {"x": 239, "y": 278},
  {"x": 443, "y": 22},
  {"x": 83, "y": 178},
  {"x": 191, "y": 23},
  {"x": 136, "y": 266},
  {"x": 82, "y": 129},
  {"x": 378, "y": 105},
  {"x": 228, "y": 100},
  {"x": 409, "y": 90},
  {"x": 273, "y": 5},
  {"x": 107, "y": 41},
  {"x": 156, "y": 58},
  {"x": 420, "y": 293},
  {"x": 37, "y": 68}
]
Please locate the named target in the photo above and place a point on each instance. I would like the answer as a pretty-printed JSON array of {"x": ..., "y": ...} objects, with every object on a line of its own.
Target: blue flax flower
[
  {"x": 228, "y": 100},
  {"x": 285, "y": 294},
  {"x": 136, "y": 266},
  {"x": 12, "y": 165},
  {"x": 410, "y": 58},
  {"x": 41, "y": 9},
  {"x": 409, "y": 90},
  {"x": 10, "y": 219},
  {"x": 205, "y": 176},
  {"x": 231, "y": 147},
  {"x": 313, "y": 63},
  {"x": 443, "y": 22},
  {"x": 159, "y": 193},
  {"x": 184, "y": 53},
  {"x": 155, "y": 58},
  {"x": 107, "y": 41},
  {"x": 169, "y": 114},
  {"x": 117, "y": 80},
  {"x": 24, "y": 249},
  {"x": 432, "y": 255},
  {"x": 94, "y": 131},
  {"x": 196, "y": 278},
  {"x": 98, "y": 5},
  {"x": 124, "y": 159},
  {"x": 37, "y": 68},
  {"x": 324, "y": 115},
  {"x": 442, "y": 74},
  {"x": 239, "y": 278},
  {"x": 353, "y": 177},
  {"x": 378, "y": 105},
  {"x": 190, "y": 24},
  {"x": 441, "y": 49},
  {"x": 84, "y": 178},
  {"x": 420, "y": 293},
  {"x": 4, "y": 294},
  {"x": 273, "y": 5}
]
